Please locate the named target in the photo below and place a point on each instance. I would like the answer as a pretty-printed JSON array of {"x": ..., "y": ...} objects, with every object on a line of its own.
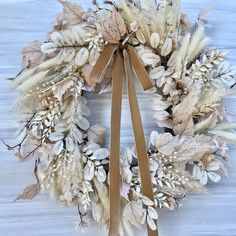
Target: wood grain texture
[{"x": 22, "y": 21}]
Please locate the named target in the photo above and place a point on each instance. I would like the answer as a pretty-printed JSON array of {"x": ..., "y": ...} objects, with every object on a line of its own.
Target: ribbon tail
[
  {"x": 101, "y": 65},
  {"x": 147, "y": 188},
  {"x": 139, "y": 69},
  {"x": 114, "y": 177}
]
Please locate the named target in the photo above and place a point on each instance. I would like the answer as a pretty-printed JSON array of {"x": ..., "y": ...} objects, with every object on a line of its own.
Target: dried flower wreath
[{"x": 187, "y": 81}]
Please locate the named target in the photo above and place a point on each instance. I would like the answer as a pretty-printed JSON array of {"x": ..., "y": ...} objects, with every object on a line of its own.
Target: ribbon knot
[{"x": 125, "y": 59}]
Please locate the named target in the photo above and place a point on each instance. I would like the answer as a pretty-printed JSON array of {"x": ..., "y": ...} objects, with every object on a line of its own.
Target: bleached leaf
[
  {"x": 68, "y": 37},
  {"x": 101, "y": 175},
  {"x": 154, "y": 40},
  {"x": 140, "y": 36},
  {"x": 151, "y": 223},
  {"x": 82, "y": 57},
  {"x": 101, "y": 153},
  {"x": 197, "y": 172},
  {"x": 56, "y": 136},
  {"x": 147, "y": 201},
  {"x": 77, "y": 135},
  {"x": 114, "y": 28},
  {"x": 32, "y": 54},
  {"x": 58, "y": 147},
  {"x": 88, "y": 172},
  {"x": 69, "y": 144},
  {"x": 97, "y": 134},
  {"x": 230, "y": 136},
  {"x": 93, "y": 56},
  {"x": 152, "y": 213},
  {"x": 167, "y": 47},
  {"x": 61, "y": 89},
  {"x": 171, "y": 62},
  {"x": 214, "y": 177},
  {"x": 157, "y": 72},
  {"x": 204, "y": 178},
  {"x": 214, "y": 165},
  {"x": 83, "y": 123},
  {"x": 79, "y": 35},
  {"x": 73, "y": 12},
  {"x": 153, "y": 137},
  {"x": 57, "y": 38},
  {"x": 133, "y": 212},
  {"x": 48, "y": 47},
  {"x": 150, "y": 58},
  {"x": 166, "y": 143}
]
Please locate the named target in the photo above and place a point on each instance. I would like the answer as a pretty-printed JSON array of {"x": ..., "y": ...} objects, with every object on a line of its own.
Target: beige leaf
[
  {"x": 186, "y": 127},
  {"x": 140, "y": 36},
  {"x": 57, "y": 38},
  {"x": 48, "y": 47},
  {"x": 29, "y": 192},
  {"x": 114, "y": 28},
  {"x": 73, "y": 12},
  {"x": 32, "y": 54},
  {"x": 93, "y": 56},
  {"x": 82, "y": 57},
  {"x": 154, "y": 40},
  {"x": 79, "y": 35},
  {"x": 97, "y": 134},
  {"x": 157, "y": 72},
  {"x": 167, "y": 47},
  {"x": 150, "y": 58}
]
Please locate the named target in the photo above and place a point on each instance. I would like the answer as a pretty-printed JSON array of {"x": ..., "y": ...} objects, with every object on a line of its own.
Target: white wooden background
[{"x": 22, "y": 21}]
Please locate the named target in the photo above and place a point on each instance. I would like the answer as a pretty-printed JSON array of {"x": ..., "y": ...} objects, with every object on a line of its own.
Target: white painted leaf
[
  {"x": 48, "y": 47},
  {"x": 78, "y": 135},
  {"x": 140, "y": 36},
  {"x": 57, "y": 38},
  {"x": 101, "y": 175},
  {"x": 171, "y": 62},
  {"x": 88, "y": 172},
  {"x": 157, "y": 72},
  {"x": 82, "y": 57},
  {"x": 58, "y": 147},
  {"x": 167, "y": 47},
  {"x": 83, "y": 123},
  {"x": 153, "y": 137},
  {"x": 197, "y": 172},
  {"x": 68, "y": 37},
  {"x": 154, "y": 40},
  {"x": 79, "y": 35},
  {"x": 101, "y": 153},
  {"x": 204, "y": 178},
  {"x": 214, "y": 177},
  {"x": 146, "y": 201},
  {"x": 134, "y": 212},
  {"x": 93, "y": 147},
  {"x": 166, "y": 143},
  {"x": 150, "y": 58},
  {"x": 93, "y": 56},
  {"x": 151, "y": 223},
  {"x": 152, "y": 213},
  {"x": 69, "y": 144},
  {"x": 56, "y": 136},
  {"x": 96, "y": 134}
]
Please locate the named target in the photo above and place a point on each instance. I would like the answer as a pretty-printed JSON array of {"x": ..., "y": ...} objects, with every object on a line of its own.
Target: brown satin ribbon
[{"x": 125, "y": 57}]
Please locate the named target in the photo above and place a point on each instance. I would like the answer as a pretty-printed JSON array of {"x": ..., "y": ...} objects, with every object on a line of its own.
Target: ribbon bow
[{"x": 125, "y": 57}]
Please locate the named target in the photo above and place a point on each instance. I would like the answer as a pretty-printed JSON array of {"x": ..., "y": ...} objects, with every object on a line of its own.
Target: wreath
[{"x": 101, "y": 49}]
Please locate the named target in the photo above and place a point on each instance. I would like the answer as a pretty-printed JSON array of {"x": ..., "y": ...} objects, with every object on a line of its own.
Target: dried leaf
[
  {"x": 167, "y": 47},
  {"x": 69, "y": 144},
  {"x": 73, "y": 12},
  {"x": 101, "y": 175},
  {"x": 133, "y": 212},
  {"x": 150, "y": 58},
  {"x": 82, "y": 56},
  {"x": 157, "y": 72},
  {"x": 114, "y": 28},
  {"x": 48, "y": 47},
  {"x": 83, "y": 123},
  {"x": 214, "y": 177},
  {"x": 152, "y": 213},
  {"x": 101, "y": 153},
  {"x": 154, "y": 40},
  {"x": 96, "y": 134},
  {"x": 58, "y": 147},
  {"x": 89, "y": 172},
  {"x": 151, "y": 223},
  {"x": 146, "y": 201},
  {"x": 29, "y": 192},
  {"x": 32, "y": 54},
  {"x": 79, "y": 35}
]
